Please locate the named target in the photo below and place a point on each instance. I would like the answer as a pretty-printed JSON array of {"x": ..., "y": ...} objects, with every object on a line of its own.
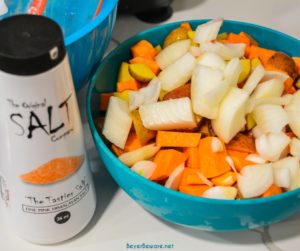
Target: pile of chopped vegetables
[{"x": 211, "y": 115}]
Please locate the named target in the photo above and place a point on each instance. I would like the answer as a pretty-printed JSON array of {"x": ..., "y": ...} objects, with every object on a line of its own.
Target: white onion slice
[
  {"x": 270, "y": 118},
  {"x": 269, "y": 88},
  {"x": 291, "y": 164},
  {"x": 144, "y": 168},
  {"x": 136, "y": 99},
  {"x": 168, "y": 115},
  {"x": 255, "y": 158},
  {"x": 172, "y": 52},
  {"x": 254, "y": 79},
  {"x": 151, "y": 91},
  {"x": 177, "y": 73},
  {"x": 295, "y": 147},
  {"x": 254, "y": 102},
  {"x": 208, "y": 31},
  {"x": 221, "y": 193},
  {"x": 216, "y": 145},
  {"x": 212, "y": 60},
  {"x": 204, "y": 179},
  {"x": 117, "y": 122},
  {"x": 232, "y": 71},
  {"x": 257, "y": 132},
  {"x": 230, "y": 162},
  {"x": 275, "y": 74},
  {"x": 255, "y": 180},
  {"x": 282, "y": 177},
  {"x": 146, "y": 95},
  {"x": 293, "y": 111},
  {"x": 296, "y": 181},
  {"x": 226, "y": 51},
  {"x": 270, "y": 146},
  {"x": 143, "y": 153},
  {"x": 175, "y": 177},
  {"x": 207, "y": 90},
  {"x": 195, "y": 51}
]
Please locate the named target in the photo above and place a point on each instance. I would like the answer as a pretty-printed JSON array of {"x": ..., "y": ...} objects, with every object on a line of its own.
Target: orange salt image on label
[{"x": 53, "y": 170}]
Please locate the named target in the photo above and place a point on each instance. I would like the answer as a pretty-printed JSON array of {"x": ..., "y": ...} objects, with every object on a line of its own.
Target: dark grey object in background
[{"x": 153, "y": 11}]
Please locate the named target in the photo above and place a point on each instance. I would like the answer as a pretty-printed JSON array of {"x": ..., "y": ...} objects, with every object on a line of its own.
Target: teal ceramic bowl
[{"x": 172, "y": 206}]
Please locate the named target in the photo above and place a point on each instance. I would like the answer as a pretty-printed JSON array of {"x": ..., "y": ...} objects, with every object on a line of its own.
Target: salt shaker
[{"x": 45, "y": 181}]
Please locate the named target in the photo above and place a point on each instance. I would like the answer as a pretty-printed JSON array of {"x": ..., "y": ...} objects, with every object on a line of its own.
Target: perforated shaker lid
[{"x": 30, "y": 44}]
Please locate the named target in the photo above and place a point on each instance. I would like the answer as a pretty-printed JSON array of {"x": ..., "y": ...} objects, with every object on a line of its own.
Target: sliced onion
[
  {"x": 282, "y": 177},
  {"x": 195, "y": 51},
  {"x": 295, "y": 147},
  {"x": 151, "y": 91},
  {"x": 290, "y": 163},
  {"x": 291, "y": 166},
  {"x": 207, "y": 91},
  {"x": 255, "y": 180},
  {"x": 275, "y": 74},
  {"x": 221, "y": 192},
  {"x": 143, "y": 153},
  {"x": 204, "y": 179},
  {"x": 296, "y": 181},
  {"x": 175, "y": 177},
  {"x": 230, "y": 162},
  {"x": 144, "y": 168},
  {"x": 212, "y": 60},
  {"x": 269, "y": 88},
  {"x": 270, "y": 146},
  {"x": 293, "y": 111},
  {"x": 270, "y": 118},
  {"x": 254, "y": 102},
  {"x": 255, "y": 158},
  {"x": 169, "y": 114},
  {"x": 172, "y": 52},
  {"x": 136, "y": 99},
  {"x": 257, "y": 132},
  {"x": 217, "y": 145},
  {"x": 208, "y": 32},
  {"x": 177, "y": 73},
  {"x": 254, "y": 78},
  {"x": 226, "y": 51},
  {"x": 233, "y": 70},
  {"x": 146, "y": 95}
]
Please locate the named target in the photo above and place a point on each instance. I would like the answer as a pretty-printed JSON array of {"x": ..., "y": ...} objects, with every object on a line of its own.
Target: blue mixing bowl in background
[
  {"x": 86, "y": 38},
  {"x": 87, "y": 45},
  {"x": 172, "y": 206}
]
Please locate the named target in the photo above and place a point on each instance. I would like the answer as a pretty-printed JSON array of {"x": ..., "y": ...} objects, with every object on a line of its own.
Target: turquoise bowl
[{"x": 172, "y": 206}]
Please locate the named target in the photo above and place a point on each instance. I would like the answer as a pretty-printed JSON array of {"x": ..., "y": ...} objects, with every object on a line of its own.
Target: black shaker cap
[{"x": 30, "y": 44}]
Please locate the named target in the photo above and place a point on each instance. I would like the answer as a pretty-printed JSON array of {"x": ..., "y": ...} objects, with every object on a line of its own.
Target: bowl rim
[
  {"x": 154, "y": 185},
  {"x": 109, "y": 6}
]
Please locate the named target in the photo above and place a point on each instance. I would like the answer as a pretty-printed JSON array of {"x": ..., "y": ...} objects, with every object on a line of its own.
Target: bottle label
[{"x": 44, "y": 166}]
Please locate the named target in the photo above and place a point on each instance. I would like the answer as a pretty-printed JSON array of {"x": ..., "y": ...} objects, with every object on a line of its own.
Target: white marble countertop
[{"x": 118, "y": 220}]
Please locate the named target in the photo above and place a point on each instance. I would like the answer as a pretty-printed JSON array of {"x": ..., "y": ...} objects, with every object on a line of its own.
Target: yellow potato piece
[
  {"x": 191, "y": 34},
  {"x": 124, "y": 74},
  {"x": 179, "y": 33},
  {"x": 141, "y": 72},
  {"x": 246, "y": 70},
  {"x": 144, "y": 135},
  {"x": 124, "y": 95},
  {"x": 158, "y": 48},
  {"x": 255, "y": 62},
  {"x": 297, "y": 84},
  {"x": 162, "y": 94},
  {"x": 222, "y": 36},
  {"x": 250, "y": 121}
]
